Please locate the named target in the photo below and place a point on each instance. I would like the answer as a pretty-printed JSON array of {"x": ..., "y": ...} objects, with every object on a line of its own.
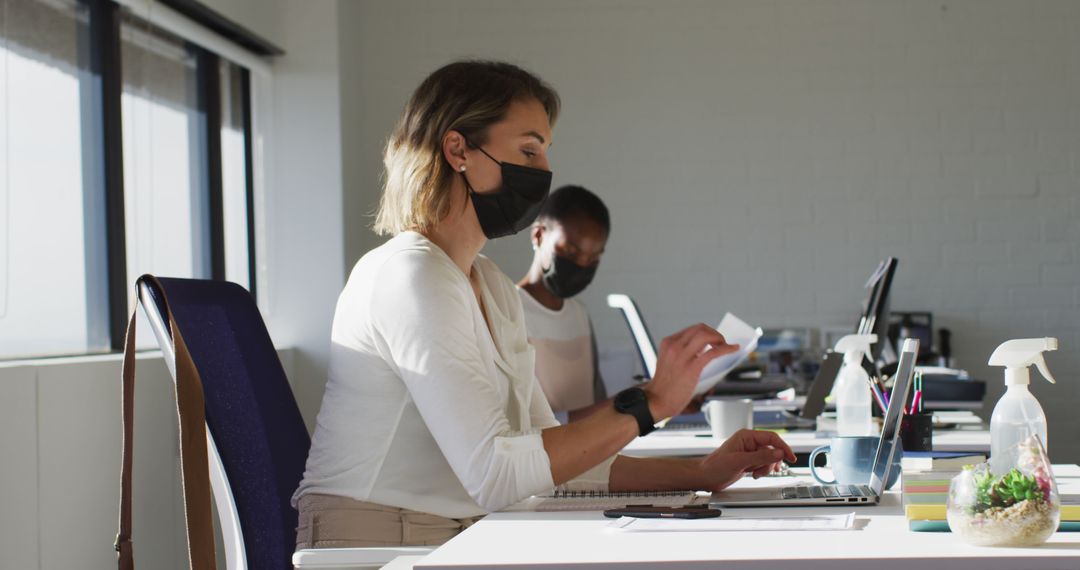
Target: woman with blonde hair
[{"x": 432, "y": 414}]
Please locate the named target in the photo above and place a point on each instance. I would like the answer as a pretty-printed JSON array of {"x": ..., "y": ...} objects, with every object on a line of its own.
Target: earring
[{"x": 462, "y": 168}]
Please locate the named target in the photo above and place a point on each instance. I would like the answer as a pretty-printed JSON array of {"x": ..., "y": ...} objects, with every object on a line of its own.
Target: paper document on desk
[
  {"x": 735, "y": 331},
  {"x": 727, "y": 524},
  {"x": 1068, "y": 487},
  {"x": 961, "y": 417},
  {"x": 1069, "y": 471}
]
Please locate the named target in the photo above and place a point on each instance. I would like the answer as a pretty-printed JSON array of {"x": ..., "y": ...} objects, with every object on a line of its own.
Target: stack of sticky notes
[
  {"x": 926, "y": 493},
  {"x": 925, "y": 481},
  {"x": 936, "y": 461}
]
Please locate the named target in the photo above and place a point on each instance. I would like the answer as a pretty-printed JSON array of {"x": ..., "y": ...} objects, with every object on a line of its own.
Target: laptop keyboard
[
  {"x": 824, "y": 491},
  {"x": 684, "y": 427}
]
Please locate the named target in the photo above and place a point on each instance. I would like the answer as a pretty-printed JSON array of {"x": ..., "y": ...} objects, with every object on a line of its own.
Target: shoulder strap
[{"x": 195, "y": 471}]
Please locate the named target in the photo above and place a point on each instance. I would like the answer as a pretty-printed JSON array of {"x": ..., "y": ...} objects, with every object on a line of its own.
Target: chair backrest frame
[{"x": 232, "y": 533}]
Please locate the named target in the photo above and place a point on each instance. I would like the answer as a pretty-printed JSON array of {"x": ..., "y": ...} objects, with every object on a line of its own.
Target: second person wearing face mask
[{"x": 568, "y": 239}]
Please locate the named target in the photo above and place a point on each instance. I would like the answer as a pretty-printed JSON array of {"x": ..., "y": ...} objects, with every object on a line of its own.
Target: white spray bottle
[
  {"x": 852, "y": 390},
  {"x": 1017, "y": 414}
]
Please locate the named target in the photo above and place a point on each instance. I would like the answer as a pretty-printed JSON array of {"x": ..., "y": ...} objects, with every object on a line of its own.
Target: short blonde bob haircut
[{"x": 464, "y": 96}]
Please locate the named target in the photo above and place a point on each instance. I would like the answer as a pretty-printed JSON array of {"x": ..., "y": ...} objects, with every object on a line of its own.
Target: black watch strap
[{"x": 635, "y": 402}]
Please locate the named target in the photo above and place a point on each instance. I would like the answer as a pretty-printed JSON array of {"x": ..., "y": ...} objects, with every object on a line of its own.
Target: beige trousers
[{"x": 330, "y": 521}]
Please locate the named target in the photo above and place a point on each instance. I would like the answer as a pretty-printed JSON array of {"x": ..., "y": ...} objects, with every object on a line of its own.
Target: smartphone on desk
[{"x": 651, "y": 512}]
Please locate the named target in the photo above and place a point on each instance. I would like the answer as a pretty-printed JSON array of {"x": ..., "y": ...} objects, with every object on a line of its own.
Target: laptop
[
  {"x": 814, "y": 404},
  {"x": 837, "y": 495}
]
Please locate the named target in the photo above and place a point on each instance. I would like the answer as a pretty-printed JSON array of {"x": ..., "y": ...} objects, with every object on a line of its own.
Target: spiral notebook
[{"x": 600, "y": 501}]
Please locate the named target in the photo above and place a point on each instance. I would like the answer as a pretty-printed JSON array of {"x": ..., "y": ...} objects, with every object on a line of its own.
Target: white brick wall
[{"x": 760, "y": 156}]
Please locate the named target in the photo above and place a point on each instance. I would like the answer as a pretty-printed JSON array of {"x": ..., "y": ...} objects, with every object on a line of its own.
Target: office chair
[{"x": 257, "y": 440}]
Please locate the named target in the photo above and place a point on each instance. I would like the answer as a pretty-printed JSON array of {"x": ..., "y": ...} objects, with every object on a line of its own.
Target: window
[
  {"x": 52, "y": 246},
  {"x": 166, "y": 201},
  {"x": 166, "y": 197},
  {"x": 124, "y": 149}
]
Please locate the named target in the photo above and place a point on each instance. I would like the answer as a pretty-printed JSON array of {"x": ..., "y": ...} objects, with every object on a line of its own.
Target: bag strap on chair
[{"x": 195, "y": 470}]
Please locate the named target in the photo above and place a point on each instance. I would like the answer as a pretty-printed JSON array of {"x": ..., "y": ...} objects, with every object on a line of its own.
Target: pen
[
  {"x": 879, "y": 397},
  {"x": 886, "y": 395},
  {"x": 917, "y": 400},
  {"x": 881, "y": 386}
]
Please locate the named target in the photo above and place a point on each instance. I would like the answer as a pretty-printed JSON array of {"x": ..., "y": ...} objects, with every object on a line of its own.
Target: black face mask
[
  {"x": 565, "y": 278},
  {"x": 515, "y": 205}
]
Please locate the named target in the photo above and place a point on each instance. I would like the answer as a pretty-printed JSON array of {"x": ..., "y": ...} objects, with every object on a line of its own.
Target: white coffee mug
[{"x": 726, "y": 417}]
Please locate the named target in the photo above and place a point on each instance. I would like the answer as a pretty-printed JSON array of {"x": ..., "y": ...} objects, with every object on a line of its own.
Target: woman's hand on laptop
[
  {"x": 747, "y": 451},
  {"x": 682, "y": 357}
]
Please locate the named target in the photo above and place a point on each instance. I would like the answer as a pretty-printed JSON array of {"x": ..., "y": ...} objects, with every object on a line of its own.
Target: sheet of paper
[
  {"x": 963, "y": 417},
  {"x": 728, "y": 524},
  {"x": 1068, "y": 490},
  {"x": 1069, "y": 471},
  {"x": 735, "y": 331}
]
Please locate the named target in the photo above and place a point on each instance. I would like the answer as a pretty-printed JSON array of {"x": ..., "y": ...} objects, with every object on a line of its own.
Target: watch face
[{"x": 629, "y": 398}]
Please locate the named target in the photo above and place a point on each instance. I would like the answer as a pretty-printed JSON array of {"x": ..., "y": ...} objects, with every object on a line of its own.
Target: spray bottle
[
  {"x": 1017, "y": 414},
  {"x": 853, "y": 413}
]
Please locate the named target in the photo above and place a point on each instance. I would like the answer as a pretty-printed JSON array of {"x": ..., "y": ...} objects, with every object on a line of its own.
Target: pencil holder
[{"x": 917, "y": 432}]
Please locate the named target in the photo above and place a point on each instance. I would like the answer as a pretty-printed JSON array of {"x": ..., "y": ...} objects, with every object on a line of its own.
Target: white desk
[
  {"x": 880, "y": 541},
  {"x": 692, "y": 442}
]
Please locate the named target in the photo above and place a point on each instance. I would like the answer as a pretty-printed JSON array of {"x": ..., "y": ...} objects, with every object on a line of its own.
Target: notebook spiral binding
[
  {"x": 618, "y": 494},
  {"x": 602, "y": 500}
]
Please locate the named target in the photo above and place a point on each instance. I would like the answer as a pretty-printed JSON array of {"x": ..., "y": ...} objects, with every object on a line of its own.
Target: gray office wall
[{"x": 760, "y": 156}]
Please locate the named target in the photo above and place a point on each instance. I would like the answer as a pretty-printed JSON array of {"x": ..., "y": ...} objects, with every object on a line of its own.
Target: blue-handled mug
[{"x": 852, "y": 459}]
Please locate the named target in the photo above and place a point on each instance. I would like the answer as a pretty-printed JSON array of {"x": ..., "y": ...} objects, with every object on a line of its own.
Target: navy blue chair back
[{"x": 250, "y": 410}]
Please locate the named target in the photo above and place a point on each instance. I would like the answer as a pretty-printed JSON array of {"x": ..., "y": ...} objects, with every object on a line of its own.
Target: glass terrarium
[{"x": 1017, "y": 508}]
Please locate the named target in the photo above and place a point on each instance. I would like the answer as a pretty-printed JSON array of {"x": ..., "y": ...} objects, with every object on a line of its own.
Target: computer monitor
[
  {"x": 875, "y": 316},
  {"x": 913, "y": 324}
]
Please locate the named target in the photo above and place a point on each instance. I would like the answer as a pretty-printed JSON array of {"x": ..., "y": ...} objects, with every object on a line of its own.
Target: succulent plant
[
  {"x": 1032, "y": 459},
  {"x": 984, "y": 482},
  {"x": 1011, "y": 488}
]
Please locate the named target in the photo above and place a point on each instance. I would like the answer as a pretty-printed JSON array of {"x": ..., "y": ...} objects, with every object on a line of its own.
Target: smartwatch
[{"x": 635, "y": 402}]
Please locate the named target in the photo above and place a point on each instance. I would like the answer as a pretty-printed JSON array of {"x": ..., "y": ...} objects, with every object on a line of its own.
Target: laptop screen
[
  {"x": 645, "y": 345},
  {"x": 890, "y": 430},
  {"x": 822, "y": 385}
]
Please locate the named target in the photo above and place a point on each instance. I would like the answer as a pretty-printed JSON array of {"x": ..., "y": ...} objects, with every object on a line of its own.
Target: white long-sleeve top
[{"x": 425, "y": 409}]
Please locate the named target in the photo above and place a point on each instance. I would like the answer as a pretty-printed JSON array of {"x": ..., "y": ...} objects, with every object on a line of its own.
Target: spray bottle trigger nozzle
[{"x": 1040, "y": 363}]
